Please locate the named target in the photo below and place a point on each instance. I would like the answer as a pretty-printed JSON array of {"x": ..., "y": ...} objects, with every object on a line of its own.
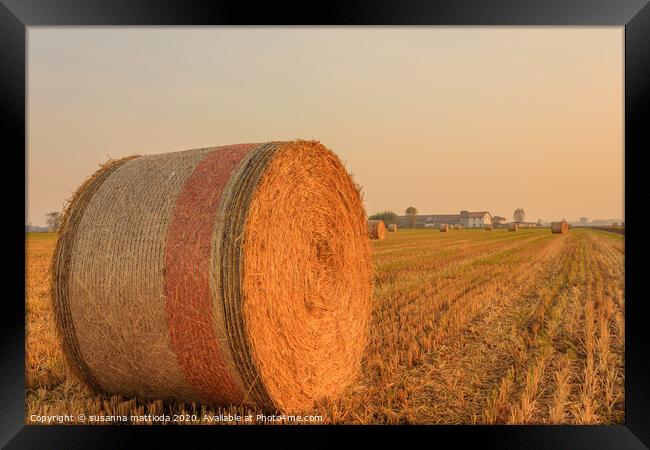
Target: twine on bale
[
  {"x": 169, "y": 282},
  {"x": 376, "y": 229},
  {"x": 61, "y": 267},
  {"x": 559, "y": 227}
]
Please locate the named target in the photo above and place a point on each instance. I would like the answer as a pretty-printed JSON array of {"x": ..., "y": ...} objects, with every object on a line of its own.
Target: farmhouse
[
  {"x": 475, "y": 219},
  {"x": 467, "y": 219}
]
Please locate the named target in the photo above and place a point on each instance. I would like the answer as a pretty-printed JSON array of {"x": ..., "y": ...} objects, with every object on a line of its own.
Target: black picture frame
[{"x": 17, "y": 15}]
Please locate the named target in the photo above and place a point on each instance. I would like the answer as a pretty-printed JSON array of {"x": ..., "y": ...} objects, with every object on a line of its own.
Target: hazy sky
[{"x": 443, "y": 119}]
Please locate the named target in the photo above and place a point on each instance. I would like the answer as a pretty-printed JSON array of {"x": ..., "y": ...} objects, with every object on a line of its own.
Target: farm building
[
  {"x": 526, "y": 224},
  {"x": 428, "y": 220},
  {"x": 475, "y": 219},
  {"x": 465, "y": 219},
  {"x": 498, "y": 221}
]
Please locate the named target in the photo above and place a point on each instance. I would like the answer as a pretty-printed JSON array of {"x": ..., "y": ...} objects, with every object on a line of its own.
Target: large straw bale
[
  {"x": 376, "y": 229},
  {"x": 169, "y": 281},
  {"x": 559, "y": 227}
]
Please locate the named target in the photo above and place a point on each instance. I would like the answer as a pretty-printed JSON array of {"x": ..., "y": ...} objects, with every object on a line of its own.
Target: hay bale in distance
[
  {"x": 559, "y": 227},
  {"x": 376, "y": 229},
  {"x": 392, "y": 227},
  {"x": 513, "y": 226},
  {"x": 172, "y": 258},
  {"x": 444, "y": 228},
  {"x": 488, "y": 227}
]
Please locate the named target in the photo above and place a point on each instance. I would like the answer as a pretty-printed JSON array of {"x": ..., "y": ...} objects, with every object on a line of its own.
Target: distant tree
[
  {"x": 519, "y": 215},
  {"x": 389, "y": 217},
  {"x": 583, "y": 221},
  {"x": 412, "y": 212},
  {"x": 53, "y": 220}
]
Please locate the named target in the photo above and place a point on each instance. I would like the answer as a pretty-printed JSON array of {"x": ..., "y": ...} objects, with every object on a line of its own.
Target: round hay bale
[
  {"x": 559, "y": 227},
  {"x": 376, "y": 229},
  {"x": 513, "y": 226},
  {"x": 392, "y": 227},
  {"x": 488, "y": 227},
  {"x": 168, "y": 281},
  {"x": 444, "y": 228}
]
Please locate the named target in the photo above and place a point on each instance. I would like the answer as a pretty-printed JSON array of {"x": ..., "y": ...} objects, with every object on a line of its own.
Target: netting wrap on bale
[
  {"x": 376, "y": 229},
  {"x": 169, "y": 281},
  {"x": 559, "y": 227}
]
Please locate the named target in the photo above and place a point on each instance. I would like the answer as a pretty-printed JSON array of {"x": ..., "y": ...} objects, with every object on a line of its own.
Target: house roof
[{"x": 476, "y": 214}]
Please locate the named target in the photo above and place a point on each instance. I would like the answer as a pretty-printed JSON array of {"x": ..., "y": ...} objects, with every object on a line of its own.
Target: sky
[{"x": 440, "y": 118}]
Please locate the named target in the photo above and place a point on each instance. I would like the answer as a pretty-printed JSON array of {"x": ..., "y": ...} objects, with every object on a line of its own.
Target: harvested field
[{"x": 468, "y": 327}]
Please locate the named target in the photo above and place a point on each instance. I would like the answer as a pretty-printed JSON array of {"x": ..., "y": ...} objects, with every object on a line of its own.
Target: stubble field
[{"x": 467, "y": 326}]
